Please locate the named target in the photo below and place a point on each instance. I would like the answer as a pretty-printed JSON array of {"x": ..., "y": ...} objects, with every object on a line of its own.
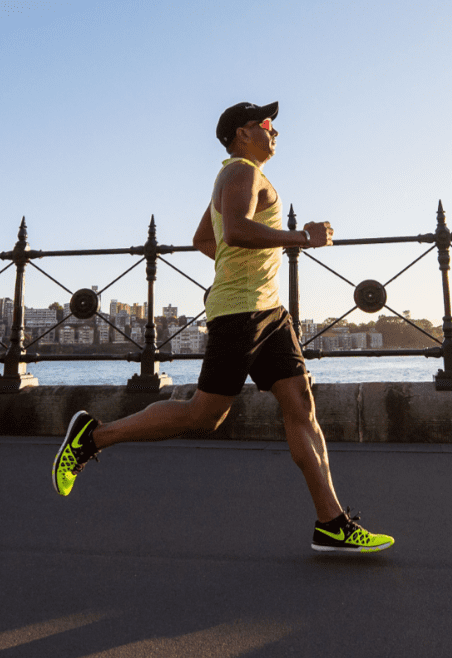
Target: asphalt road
[{"x": 202, "y": 550}]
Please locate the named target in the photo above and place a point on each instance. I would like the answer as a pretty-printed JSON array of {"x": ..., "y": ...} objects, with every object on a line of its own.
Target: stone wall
[{"x": 371, "y": 412}]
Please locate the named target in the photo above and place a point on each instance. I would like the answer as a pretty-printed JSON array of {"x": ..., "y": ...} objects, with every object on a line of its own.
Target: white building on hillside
[
  {"x": 375, "y": 340},
  {"x": 40, "y": 317},
  {"x": 66, "y": 335},
  {"x": 190, "y": 340}
]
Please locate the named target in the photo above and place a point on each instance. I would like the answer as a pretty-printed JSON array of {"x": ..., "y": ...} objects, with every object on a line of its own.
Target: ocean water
[{"x": 326, "y": 371}]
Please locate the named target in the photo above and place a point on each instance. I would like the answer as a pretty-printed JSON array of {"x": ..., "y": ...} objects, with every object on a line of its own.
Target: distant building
[
  {"x": 308, "y": 327},
  {"x": 37, "y": 333},
  {"x": 40, "y": 317},
  {"x": 103, "y": 332},
  {"x": 120, "y": 306},
  {"x": 136, "y": 333},
  {"x": 49, "y": 338},
  {"x": 96, "y": 290},
  {"x": 99, "y": 320},
  {"x": 66, "y": 335},
  {"x": 190, "y": 340},
  {"x": 345, "y": 341},
  {"x": 85, "y": 335},
  {"x": 6, "y": 311},
  {"x": 330, "y": 342},
  {"x": 375, "y": 340},
  {"x": 138, "y": 311},
  {"x": 170, "y": 311},
  {"x": 359, "y": 341},
  {"x": 121, "y": 320}
]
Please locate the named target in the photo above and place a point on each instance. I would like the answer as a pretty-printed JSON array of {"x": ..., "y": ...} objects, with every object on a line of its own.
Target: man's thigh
[
  {"x": 280, "y": 357},
  {"x": 208, "y": 410},
  {"x": 228, "y": 354}
]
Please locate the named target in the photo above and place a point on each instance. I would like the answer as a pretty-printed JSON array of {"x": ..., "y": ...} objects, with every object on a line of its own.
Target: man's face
[{"x": 263, "y": 137}]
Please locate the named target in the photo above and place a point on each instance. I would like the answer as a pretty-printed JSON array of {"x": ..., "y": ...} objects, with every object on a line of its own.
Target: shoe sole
[
  {"x": 60, "y": 451},
  {"x": 358, "y": 549}
]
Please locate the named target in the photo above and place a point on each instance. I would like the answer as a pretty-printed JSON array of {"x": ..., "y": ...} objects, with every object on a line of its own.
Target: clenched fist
[{"x": 321, "y": 234}]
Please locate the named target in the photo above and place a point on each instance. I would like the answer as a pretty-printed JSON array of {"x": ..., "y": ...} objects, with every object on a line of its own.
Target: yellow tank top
[{"x": 246, "y": 280}]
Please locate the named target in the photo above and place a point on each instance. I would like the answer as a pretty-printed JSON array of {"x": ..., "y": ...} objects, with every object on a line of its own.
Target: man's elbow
[{"x": 232, "y": 238}]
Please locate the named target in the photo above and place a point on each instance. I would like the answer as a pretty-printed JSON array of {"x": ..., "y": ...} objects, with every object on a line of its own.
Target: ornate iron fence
[{"x": 369, "y": 296}]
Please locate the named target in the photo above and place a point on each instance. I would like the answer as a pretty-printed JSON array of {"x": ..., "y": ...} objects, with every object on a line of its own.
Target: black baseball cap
[{"x": 238, "y": 115}]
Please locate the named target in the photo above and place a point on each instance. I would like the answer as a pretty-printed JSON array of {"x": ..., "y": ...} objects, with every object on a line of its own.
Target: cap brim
[{"x": 269, "y": 111}]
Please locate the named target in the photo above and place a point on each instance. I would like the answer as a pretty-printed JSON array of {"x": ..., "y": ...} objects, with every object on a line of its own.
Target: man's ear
[{"x": 242, "y": 134}]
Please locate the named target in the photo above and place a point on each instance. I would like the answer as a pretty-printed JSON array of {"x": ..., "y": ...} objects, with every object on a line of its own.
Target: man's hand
[{"x": 321, "y": 234}]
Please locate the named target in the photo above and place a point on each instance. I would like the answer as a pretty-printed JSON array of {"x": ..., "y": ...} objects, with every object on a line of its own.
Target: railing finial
[
  {"x": 152, "y": 228},
  {"x": 22, "y": 235},
  {"x": 292, "y": 223}
]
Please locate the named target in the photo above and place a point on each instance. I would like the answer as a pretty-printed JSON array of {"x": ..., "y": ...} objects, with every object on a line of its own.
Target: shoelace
[
  {"x": 351, "y": 525},
  {"x": 352, "y": 518},
  {"x": 79, "y": 468}
]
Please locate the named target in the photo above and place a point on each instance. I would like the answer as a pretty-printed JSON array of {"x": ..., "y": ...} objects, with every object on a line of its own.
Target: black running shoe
[
  {"x": 76, "y": 450},
  {"x": 342, "y": 534}
]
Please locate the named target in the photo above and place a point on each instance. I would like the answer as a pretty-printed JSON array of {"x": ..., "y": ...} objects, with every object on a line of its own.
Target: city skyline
[
  {"x": 365, "y": 318},
  {"x": 353, "y": 318}
]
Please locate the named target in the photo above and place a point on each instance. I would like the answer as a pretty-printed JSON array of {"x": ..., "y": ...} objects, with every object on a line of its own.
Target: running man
[{"x": 249, "y": 333}]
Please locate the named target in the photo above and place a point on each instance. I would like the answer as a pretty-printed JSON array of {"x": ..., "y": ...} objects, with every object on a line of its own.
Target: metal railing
[{"x": 369, "y": 296}]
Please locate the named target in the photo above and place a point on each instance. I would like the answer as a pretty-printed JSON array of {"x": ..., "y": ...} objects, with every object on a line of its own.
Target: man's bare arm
[
  {"x": 239, "y": 201},
  {"x": 204, "y": 238}
]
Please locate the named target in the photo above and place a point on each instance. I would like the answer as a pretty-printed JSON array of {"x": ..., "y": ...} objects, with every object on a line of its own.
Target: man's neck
[{"x": 251, "y": 157}]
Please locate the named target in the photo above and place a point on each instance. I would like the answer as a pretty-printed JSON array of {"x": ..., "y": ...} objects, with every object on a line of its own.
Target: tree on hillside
[
  {"x": 362, "y": 327},
  {"x": 328, "y": 321},
  {"x": 59, "y": 310},
  {"x": 398, "y": 333}
]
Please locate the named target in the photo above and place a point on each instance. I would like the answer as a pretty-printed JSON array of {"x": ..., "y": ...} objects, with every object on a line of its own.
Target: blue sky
[{"x": 109, "y": 111}]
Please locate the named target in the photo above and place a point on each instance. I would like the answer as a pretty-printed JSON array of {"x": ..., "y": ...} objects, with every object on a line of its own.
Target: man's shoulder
[{"x": 240, "y": 171}]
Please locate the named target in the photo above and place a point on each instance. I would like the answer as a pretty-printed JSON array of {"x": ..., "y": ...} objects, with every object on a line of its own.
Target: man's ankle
[
  {"x": 94, "y": 436},
  {"x": 330, "y": 518}
]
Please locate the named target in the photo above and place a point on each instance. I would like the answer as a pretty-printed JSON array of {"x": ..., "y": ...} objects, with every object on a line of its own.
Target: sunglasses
[{"x": 266, "y": 124}]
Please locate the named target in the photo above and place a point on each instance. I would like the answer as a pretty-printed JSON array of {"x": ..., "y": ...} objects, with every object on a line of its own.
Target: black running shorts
[{"x": 261, "y": 344}]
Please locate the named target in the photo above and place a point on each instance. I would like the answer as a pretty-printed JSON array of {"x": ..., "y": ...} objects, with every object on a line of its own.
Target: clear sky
[{"x": 108, "y": 115}]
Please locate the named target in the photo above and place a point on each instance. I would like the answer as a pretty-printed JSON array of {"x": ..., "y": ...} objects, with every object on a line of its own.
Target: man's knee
[
  {"x": 205, "y": 417},
  {"x": 207, "y": 421},
  {"x": 296, "y": 399}
]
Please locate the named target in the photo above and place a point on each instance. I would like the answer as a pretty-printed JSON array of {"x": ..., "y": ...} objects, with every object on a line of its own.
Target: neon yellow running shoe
[
  {"x": 343, "y": 535},
  {"x": 76, "y": 450}
]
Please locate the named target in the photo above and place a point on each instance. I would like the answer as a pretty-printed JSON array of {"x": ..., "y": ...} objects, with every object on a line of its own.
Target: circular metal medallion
[
  {"x": 84, "y": 304},
  {"x": 370, "y": 296}
]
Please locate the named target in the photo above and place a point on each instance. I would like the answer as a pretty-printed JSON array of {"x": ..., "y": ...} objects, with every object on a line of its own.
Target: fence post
[
  {"x": 294, "y": 292},
  {"x": 15, "y": 376},
  {"x": 443, "y": 379},
  {"x": 149, "y": 378}
]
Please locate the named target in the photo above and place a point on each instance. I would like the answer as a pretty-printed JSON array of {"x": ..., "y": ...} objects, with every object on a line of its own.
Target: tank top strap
[{"x": 229, "y": 161}]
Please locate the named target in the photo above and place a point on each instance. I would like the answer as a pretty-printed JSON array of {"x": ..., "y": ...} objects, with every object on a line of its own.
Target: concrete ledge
[{"x": 372, "y": 412}]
